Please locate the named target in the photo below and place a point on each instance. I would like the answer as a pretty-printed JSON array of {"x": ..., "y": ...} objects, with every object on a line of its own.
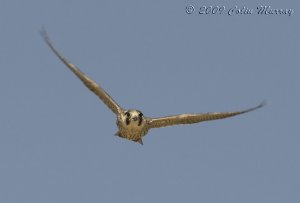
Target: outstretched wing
[
  {"x": 194, "y": 118},
  {"x": 88, "y": 82}
]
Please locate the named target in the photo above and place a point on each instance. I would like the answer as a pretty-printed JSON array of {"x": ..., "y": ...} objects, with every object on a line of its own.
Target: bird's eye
[{"x": 127, "y": 114}]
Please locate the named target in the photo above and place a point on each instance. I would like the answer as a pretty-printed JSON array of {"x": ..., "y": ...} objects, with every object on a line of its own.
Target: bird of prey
[{"x": 132, "y": 124}]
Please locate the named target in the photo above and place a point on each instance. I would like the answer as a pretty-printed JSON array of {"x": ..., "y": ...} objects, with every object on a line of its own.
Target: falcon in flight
[{"x": 132, "y": 124}]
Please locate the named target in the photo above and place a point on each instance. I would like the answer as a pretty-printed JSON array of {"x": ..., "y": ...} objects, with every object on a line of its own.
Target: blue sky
[{"x": 56, "y": 138}]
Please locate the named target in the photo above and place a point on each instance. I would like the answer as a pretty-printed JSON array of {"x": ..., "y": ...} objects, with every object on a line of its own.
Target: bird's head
[{"x": 133, "y": 117}]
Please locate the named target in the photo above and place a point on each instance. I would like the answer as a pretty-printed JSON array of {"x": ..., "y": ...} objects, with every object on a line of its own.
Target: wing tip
[
  {"x": 44, "y": 34},
  {"x": 262, "y": 104}
]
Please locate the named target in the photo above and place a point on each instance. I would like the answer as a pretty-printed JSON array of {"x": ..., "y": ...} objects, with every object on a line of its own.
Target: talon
[{"x": 140, "y": 141}]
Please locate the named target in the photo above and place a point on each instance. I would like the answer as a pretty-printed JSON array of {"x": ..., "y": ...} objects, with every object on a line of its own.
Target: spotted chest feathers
[{"x": 132, "y": 125}]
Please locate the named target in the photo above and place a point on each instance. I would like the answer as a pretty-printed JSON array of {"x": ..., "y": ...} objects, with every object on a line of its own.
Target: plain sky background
[{"x": 57, "y": 142}]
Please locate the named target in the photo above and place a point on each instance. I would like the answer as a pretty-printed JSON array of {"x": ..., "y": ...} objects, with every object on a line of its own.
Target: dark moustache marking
[
  {"x": 127, "y": 121},
  {"x": 140, "y": 118},
  {"x": 140, "y": 121},
  {"x": 127, "y": 114}
]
